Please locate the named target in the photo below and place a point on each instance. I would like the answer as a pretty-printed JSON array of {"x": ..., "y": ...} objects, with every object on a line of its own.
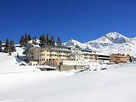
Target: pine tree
[
  {"x": 34, "y": 40},
  {"x": 52, "y": 41},
  {"x": 47, "y": 39},
  {"x": 12, "y": 46},
  {"x": 26, "y": 39},
  {"x": 0, "y": 45},
  {"x": 29, "y": 37},
  {"x": 42, "y": 39},
  {"x": 22, "y": 41},
  {"x": 59, "y": 42},
  {"x": 7, "y": 45}
]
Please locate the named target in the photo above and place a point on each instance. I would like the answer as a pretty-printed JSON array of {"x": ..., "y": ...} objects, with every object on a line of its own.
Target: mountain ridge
[{"x": 112, "y": 42}]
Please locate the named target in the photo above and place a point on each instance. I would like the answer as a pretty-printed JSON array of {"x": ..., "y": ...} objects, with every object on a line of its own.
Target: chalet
[{"x": 120, "y": 58}]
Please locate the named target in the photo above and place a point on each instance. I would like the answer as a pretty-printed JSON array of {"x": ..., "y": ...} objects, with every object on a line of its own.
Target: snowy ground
[
  {"x": 10, "y": 64},
  {"x": 116, "y": 84},
  {"x": 28, "y": 84}
]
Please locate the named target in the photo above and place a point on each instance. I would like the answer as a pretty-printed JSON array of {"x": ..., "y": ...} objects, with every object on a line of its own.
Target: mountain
[
  {"x": 74, "y": 43},
  {"x": 113, "y": 37},
  {"x": 112, "y": 42},
  {"x": 133, "y": 40}
]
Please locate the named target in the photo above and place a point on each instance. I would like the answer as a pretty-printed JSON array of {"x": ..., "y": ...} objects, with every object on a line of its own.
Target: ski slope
[
  {"x": 28, "y": 84},
  {"x": 116, "y": 84},
  {"x": 10, "y": 64}
]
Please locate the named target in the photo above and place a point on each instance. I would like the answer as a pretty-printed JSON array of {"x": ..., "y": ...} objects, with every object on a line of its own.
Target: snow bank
[
  {"x": 9, "y": 64},
  {"x": 117, "y": 84}
]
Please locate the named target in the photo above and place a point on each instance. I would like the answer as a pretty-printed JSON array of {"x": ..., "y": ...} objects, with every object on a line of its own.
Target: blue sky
[{"x": 82, "y": 20}]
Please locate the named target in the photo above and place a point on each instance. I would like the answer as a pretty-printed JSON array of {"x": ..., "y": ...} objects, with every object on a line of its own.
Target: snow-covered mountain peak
[
  {"x": 116, "y": 37},
  {"x": 114, "y": 34},
  {"x": 112, "y": 37},
  {"x": 72, "y": 42},
  {"x": 112, "y": 42}
]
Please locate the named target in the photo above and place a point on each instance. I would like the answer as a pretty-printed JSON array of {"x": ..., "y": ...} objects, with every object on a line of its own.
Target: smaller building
[
  {"x": 54, "y": 63},
  {"x": 120, "y": 58},
  {"x": 88, "y": 55}
]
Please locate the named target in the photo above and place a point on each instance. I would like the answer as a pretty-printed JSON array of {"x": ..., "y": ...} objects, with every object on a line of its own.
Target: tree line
[
  {"x": 45, "y": 40},
  {"x": 9, "y": 46},
  {"x": 25, "y": 39}
]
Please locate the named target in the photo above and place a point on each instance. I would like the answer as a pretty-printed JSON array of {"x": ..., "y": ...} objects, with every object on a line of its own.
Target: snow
[
  {"x": 112, "y": 42},
  {"x": 29, "y": 84},
  {"x": 72, "y": 43},
  {"x": 10, "y": 64},
  {"x": 116, "y": 84}
]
